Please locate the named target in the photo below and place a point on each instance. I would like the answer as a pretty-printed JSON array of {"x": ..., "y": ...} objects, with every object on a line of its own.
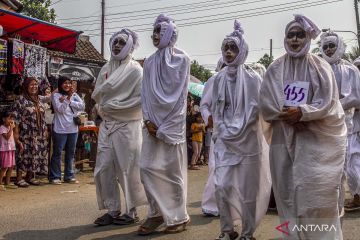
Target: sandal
[
  {"x": 104, "y": 220},
  {"x": 150, "y": 225},
  {"x": 22, "y": 184},
  {"x": 194, "y": 167},
  {"x": 352, "y": 206},
  {"x": 125, "y": 220},
  {"x": 34, "y": 182},
  {"x": 176, "y": 228}
]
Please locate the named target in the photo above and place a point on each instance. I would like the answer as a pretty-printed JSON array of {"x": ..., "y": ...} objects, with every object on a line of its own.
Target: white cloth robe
[
  {"x": 163, "y": 158},
  {"x": 120, "y": 138},
  {"x": 306, "y": 166},
  {"x": 242, "y": 174},
  {"x": 208, "y": 203}
]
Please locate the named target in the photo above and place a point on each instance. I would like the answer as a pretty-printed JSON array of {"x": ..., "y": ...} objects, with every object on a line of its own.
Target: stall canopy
[{"x": 30, "y": 29}]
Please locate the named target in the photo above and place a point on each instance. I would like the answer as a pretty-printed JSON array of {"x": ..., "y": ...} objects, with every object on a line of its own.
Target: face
[
  {"x": 156, "y": 36},
  {"x": 296, "y": 39},
  {"x": 74, "y": 85},
  {"x": 199, "y": 119},
  {"x": 8, "y": 120},
  {"x": 329, "y": 48},
  {"x": 66, "y": 86},
  {"x": 33, "y": 88},
  {"x": 118, "y": 45},
  {"x": 231, "y": 51}
]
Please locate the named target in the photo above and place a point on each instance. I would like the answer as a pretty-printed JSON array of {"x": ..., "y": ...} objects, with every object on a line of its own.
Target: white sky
[{"x": 207, "y": 22}]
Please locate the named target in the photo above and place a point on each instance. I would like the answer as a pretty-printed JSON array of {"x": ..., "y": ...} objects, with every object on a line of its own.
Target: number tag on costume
[{"x": 296, "y": 93}]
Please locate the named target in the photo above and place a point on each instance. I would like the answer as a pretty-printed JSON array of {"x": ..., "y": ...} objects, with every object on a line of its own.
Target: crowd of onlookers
[
  {"x": 197, "y": 134},
  {"x": 25, "y": 134}
]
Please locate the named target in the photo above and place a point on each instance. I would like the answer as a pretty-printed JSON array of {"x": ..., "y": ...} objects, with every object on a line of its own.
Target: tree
[
  {"x": 199, "y": 71},
  {"x": 354, "y": 53},
  {"x": 266, "y": 60},
  {"x": 39, "y": 9}
]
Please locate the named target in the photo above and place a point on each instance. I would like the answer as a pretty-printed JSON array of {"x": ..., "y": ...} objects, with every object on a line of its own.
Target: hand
[
  {"x": 291, "y": 115},
  {"x": 21, "y": 147},
  {"x": 300, "y": 126},
  {"x": 152, "y": 128},
  {"x": 70, "y": 93},
  {"x": 210, "y": 122},
  {"x": 12, "y": 125},
  {"x": 61, "y": 99}
]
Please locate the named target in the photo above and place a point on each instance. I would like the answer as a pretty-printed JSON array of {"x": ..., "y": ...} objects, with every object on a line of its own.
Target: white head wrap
[
  {"x": 237, "y": 37},
  {"x": 132, "y": 43},
  {"x": 312, "y": 31},
  {"x": 259, "y": 68},
  {"x": 332, "y": 37},
  {"x": 168, "y": 31}
]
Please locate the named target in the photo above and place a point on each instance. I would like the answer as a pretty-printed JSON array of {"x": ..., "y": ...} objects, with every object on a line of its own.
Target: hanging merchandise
[
  {"x": 35, "y": 61},
  {"x": 3, "y": 57},
  {"x": 17, "y": 59}
]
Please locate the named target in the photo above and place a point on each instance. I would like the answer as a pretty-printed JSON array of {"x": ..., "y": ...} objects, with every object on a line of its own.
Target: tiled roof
[
  {"x": 85, "y": 51},
  {"x": 13, "y": 4}
]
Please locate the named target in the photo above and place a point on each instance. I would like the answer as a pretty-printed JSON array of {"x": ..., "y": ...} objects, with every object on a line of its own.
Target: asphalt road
[{"x": 67, "y": 212}]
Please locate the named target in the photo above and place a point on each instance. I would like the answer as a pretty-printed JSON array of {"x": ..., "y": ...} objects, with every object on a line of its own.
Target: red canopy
[{"x": 50, "y": 35}]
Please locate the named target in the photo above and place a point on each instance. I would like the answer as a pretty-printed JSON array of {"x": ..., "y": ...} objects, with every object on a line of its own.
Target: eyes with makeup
[
  {"x": 119, "y": 41},
  {"x": 297, "y": 34},
  {"x": 330, "y": 46},
  {"x": 230, "y": 46}
]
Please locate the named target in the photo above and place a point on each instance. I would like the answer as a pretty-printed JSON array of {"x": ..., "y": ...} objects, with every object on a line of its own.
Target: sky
[{"x": 203, "y": 24}]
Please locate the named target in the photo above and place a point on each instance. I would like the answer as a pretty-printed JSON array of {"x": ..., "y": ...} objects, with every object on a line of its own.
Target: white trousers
[
  {"x": 119, "y": 147},
  {"x": 164, "y": 175},
  {"x": 353, "y": 164},
  {"x": 242, "y": 193},
  {"x": 208, "y": 203}
]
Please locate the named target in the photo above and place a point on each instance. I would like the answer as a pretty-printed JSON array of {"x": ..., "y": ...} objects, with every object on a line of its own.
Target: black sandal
[
  {"x": 104, "y": 220},
  {"x": 150, "y": 225},
  {"x": 125, "y": 220},
  {"x": 22, "y": 183}
]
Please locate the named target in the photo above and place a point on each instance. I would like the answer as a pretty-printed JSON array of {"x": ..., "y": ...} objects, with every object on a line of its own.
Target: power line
[
  {"x": 221, "y": 19},
  {"x": 180, "y": 11}
]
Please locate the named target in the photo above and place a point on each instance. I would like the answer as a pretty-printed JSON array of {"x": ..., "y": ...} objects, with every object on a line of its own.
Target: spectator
[
  {"x": 66, "y": 105},
  {"x": 197, "y": 131},
  {"x": 7, "y": 150},
  {"x": 30, "y": 134}
]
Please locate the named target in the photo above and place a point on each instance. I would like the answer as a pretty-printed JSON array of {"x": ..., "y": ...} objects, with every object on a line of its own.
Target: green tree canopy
[
  {"x": 39, "y": 9},
  {"x": 266, "y": 60},
  {"x": 199, "y": 71}
]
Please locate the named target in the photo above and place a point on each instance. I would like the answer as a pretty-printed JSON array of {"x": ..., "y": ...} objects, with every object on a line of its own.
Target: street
[{"x": 67, "y": 212}]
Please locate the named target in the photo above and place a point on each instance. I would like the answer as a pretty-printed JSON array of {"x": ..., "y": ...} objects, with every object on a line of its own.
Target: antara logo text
[{"x": 284, "y": 228}]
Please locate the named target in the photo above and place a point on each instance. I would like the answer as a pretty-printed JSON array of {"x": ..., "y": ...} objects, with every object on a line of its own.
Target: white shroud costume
[
  {"x": 353, "y": 163},
  {"x": 348, "y": 82},
  {"x": 242, "y": 174},
  {"x": 208, "y": 203},
  {"x": 164, "y": 159},
  {"x": 117, "y": 94},
  {"x": 307, "y": 165}
]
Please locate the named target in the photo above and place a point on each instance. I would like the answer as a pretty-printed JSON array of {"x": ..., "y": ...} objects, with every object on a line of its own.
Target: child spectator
[
  {"x": 7, "y": 150},
  {"x": 197, "y": 131}
]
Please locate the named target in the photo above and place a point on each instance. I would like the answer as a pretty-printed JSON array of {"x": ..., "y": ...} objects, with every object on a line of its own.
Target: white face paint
[
  {"x": 119, "y": 43},
  {"x": 231, "y": 51},
  {"x": 329, "y": 48},
  {"x": 296, "y": 39},
  {"x": 156, "y": 35}
]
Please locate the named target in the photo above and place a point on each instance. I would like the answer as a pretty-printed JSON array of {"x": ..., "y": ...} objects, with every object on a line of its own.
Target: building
[{"x": 11, "y": 5}]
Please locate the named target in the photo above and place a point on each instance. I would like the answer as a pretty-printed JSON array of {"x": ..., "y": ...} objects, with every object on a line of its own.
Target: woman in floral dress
[{"x": 32, "y": 135}]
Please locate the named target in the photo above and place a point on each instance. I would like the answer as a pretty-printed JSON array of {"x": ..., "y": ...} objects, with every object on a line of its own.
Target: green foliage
[
  {"x": 354, "y": 53},
  {"x": 199, "y": 71},
  {"x": 266, "y": 60},
  {"x": 39, "y": 9}
]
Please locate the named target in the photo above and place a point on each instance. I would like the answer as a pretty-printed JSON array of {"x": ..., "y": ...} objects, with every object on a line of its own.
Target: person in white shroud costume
[
  {"x": 117, "y": 94},
  {"x": 164, "y": 157},
  {"x": 299, "y": 98},
  {"x": 353, "y": 164},
  {"x": 242, "y": 173},
  {"x": 208, "y": 203},
  {"x": 348, "y": 82}
]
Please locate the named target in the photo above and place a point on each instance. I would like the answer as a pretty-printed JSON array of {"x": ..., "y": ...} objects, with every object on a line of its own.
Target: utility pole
[
  {"x": 271, "y": 48},
  {"x": 357, "y": 20},
  {"x": 102, "y": 26}
]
